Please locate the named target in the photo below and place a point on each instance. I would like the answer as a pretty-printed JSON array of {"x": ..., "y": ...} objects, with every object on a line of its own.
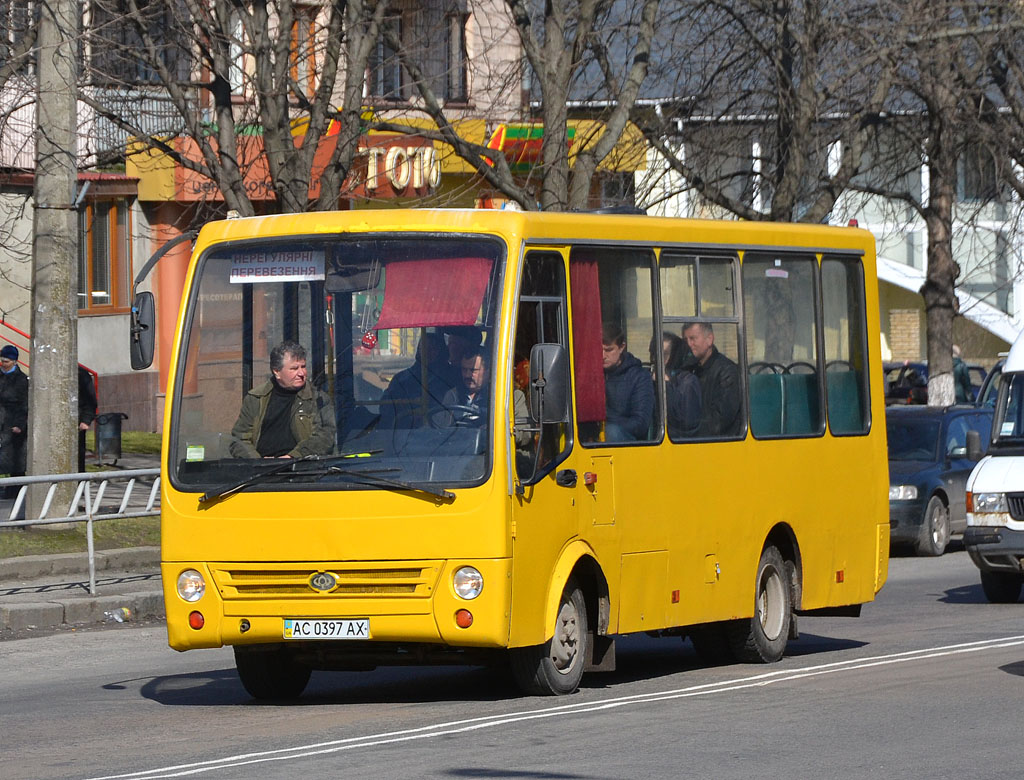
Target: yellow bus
[{"x": 418, "y": 436}]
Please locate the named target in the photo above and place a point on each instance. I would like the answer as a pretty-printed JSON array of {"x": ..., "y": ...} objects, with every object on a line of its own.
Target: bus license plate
[{"x": 326, "y": 629}]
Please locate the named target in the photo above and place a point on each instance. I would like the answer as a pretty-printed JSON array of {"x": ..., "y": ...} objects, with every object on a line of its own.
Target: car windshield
[
  {"x": 911, "y": 439},
  {"x": 366, "y": 360},
  {"x": 1008, "y": 428}
]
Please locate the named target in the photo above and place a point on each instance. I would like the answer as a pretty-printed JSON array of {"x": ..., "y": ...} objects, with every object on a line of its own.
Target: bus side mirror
[
  {"x": 974, "y": 450},
  {"x": 143, "y": 331},
  {"x": 549, "y": 384}
]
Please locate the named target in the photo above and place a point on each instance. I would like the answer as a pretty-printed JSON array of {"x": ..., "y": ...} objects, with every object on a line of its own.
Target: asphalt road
[{"x": 928, "y": 683}]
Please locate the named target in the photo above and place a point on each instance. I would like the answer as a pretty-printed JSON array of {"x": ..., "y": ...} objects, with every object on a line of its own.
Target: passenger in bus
[
  {"x": 719, "y": 383},
  {"x": 684, "y": 404},
  {"x": 674, "y": 354},
  {"x": 628, "y": 392},
  {"x": 285, "y": 417},
  {"x": 407, "y": 402}
]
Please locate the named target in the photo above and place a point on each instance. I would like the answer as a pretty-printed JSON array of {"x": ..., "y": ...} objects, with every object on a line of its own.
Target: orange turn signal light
[
  {"x": 589, "y": 478},
  {"x": 463, "y": 618}
]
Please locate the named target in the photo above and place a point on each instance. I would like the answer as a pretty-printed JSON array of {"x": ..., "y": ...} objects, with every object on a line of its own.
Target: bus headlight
[
  {"x": 191, "y": 585},
  {"x": 989, "y": 502},
  {"x": 468, "y": 583},
  {"x": 902, "y": 492}
]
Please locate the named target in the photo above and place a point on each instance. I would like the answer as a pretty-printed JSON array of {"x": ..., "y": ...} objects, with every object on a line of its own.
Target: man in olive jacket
[{"x": 286, "y": 417}]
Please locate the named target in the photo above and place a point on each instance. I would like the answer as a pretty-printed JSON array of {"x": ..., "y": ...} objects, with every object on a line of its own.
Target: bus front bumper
[{"x": 404, "y": 602}]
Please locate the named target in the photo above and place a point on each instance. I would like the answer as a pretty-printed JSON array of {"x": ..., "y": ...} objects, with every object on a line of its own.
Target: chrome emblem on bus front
[{"x": 323, "y": 581}]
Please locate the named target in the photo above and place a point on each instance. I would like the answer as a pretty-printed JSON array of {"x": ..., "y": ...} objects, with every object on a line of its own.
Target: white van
[{"x": 995, "y": 490}]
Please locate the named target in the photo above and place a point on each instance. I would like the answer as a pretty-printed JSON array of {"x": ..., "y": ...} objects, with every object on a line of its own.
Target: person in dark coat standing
[
  {"x": 719, "y": 383},
  {"x": 628, "y": 392},
  {"x": 14, "y": 411},
  {"x": 87, "y": 407},
  {"x": 963, "y": 392}
]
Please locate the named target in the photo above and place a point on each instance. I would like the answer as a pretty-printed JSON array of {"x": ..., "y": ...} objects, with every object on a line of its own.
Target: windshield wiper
[
  {"x": 279, "y": 468},
  {"x": 370, "y": 477}
]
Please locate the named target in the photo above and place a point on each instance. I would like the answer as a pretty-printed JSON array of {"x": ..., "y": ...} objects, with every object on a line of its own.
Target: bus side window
[
  {"x": 698, "y": 303},
  {"x": 613, "y": 317},
  {"x": 541, "y": 319},
  {"x": 846, "y": 346},
  {"x": 782, "y": 344}
]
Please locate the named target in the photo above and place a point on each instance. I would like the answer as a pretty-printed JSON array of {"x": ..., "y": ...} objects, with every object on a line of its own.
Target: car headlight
[
  {"x": 902, "y": 492},
  {"x": 468, "y": 582},
  {"x": 990, "y": 502},
  {"x": 191, "y": 585}
]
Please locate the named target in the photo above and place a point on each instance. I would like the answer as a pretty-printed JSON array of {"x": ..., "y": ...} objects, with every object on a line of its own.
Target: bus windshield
[{"x": 366, "y": 362}]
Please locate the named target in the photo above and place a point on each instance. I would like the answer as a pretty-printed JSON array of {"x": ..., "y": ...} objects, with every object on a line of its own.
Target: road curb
[
  {"x": 57, "y": 612},
  {"x": 27, "y": 567}
]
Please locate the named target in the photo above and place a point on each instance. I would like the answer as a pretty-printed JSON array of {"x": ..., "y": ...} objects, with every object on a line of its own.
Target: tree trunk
[{"x": 938, "y": 290}]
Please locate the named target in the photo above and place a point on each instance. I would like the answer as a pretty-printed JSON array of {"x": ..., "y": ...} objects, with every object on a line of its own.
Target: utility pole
[{"x": 53, "y": 395}]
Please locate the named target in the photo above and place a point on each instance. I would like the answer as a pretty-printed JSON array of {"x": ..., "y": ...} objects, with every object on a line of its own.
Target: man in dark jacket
[
  {"x": 14, "y": 413},
  {"x": 286, "y": 417},
  {"x": 628, "y": 392},
  {"x": 87, "y": 407},
  {"x": 719, "y": 383}
]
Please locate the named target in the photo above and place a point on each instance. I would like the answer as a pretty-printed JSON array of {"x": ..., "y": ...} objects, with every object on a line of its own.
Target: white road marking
[{"x": 490, "y": 721}]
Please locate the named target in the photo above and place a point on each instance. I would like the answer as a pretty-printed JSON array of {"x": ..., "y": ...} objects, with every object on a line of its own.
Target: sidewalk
[{"x": 41, "y": 592}]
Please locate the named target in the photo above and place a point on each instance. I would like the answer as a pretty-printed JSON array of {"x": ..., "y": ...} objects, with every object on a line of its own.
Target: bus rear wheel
[
  {"x": 270, "y": 672},
  {"x": 556, "y": 667},
  {"x": 763, "y": 638}
]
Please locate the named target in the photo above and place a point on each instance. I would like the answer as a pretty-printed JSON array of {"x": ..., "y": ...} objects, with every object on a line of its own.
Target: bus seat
[
  {"x": 844, "y": 402},
  {"x": 766, "y": 404},
  {"x": 802, "y": 411}
]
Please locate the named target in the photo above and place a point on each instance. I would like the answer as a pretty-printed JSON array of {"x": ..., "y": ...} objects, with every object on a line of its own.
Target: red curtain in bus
[
  {"x": 586, "y": 336},
  {"x": 431, "y": 293}
]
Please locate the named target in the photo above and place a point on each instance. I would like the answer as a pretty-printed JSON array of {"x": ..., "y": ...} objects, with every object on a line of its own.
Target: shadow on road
[
  {"x": 639, "y": 658},
  {"x": 965, "y": 594}
]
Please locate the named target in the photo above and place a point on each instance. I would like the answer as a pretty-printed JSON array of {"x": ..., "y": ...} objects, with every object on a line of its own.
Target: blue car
[{"x": 928, "y": 470}]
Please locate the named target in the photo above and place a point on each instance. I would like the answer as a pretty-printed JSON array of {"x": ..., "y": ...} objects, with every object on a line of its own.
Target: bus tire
[
  {"x": 270, "y": 672},
  {"x": 556, "y": 667},
  {"x": 763, "y": 638},
  {"x": 934, "y": 529},
  {"x": 1001, "y": 587}
]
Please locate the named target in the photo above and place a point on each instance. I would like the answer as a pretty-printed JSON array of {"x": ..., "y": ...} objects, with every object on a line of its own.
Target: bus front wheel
[
  {"x": 556, "y": 667},
  {"x": 270, "y": 672},
  {"x": 762, "y": 638}
]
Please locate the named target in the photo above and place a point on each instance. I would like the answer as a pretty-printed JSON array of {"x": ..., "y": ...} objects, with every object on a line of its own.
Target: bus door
[{"x": 544, "y": 506}]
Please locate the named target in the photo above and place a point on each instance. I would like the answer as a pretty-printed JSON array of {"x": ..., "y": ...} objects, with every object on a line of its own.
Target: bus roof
[{"x": 537, "y": 227}]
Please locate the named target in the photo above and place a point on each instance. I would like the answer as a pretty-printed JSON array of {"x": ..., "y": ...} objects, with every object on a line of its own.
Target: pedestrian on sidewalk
[
  {"x": 87, "y": 406},
  {"x": 13, "y": 416}
]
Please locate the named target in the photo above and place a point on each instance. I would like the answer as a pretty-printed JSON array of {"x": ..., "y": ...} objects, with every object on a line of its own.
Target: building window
[
  {"x": 384, "y": 77},
  {"x": 303, "y": 53},
  {"x": 104, "y": 255},
  {"x": 118, "y": 52},
  {"x": 456, "y": 79},
  {"x": 17, "y": 18},
  {"x": 978, "y": 176}
]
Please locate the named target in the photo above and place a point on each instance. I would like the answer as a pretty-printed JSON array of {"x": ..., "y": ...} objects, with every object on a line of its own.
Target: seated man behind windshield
[
  {"x": 286, "y": 417},
  {"x": 468, "y": 404},
  {"x": 407, "y": 402}
]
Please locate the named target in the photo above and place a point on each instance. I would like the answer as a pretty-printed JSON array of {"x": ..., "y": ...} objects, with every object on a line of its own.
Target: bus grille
[
  {"x": 1016, "y": 502},
  {"x": 352, "y": 580}
]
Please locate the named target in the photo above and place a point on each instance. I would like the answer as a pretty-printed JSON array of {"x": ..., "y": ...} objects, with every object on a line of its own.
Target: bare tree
[
  {"x": 764, "y": 109},
  {"x": 273, "y": 68},
  {"x": 584, "y": 59}
]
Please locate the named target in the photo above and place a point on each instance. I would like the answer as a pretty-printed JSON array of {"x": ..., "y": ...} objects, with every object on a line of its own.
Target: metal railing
[{"x": 87, "y": 504}]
